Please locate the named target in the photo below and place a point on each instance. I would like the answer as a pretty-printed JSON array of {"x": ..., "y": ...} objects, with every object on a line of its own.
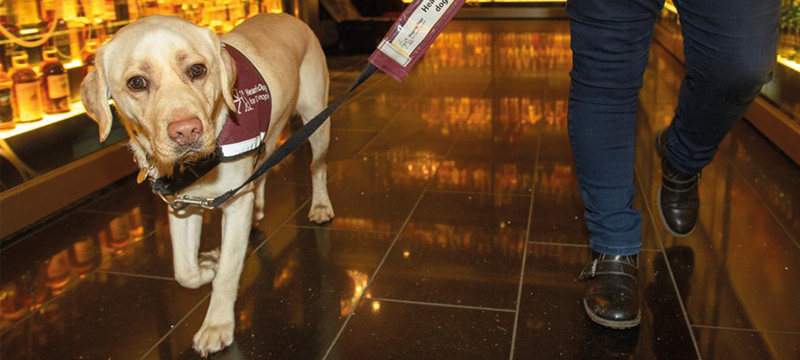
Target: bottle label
[
  {"x": 28, "y": 101},
  {"x": 57, "y": 86},
  {"x": 6, "y": 113},
  {"x": 27, "y": 12}
]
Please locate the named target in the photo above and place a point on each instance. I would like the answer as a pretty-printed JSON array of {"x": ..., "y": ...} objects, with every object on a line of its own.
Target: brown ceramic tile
[
  {"x": 127, "y": 195},
  {"x": 391, "y": 330},
  {"x": 556, "y": 148},
  {"x": 295, "y": 294},
  {"x": 414, "y": 132},
  {"x": 463, "y": 249},
  {"x": 381, "y": 85},
  {"x": 344, "y": 144},
  {"x": 558, "y": 212},
  {"x": 105, "y": 316},
  {"x": 48, "y": 262},
  {"x": 376, "y": 192},
  {"x": 368, "y": 113},
  {"x": 153, "y": 255},
  {"x": 557, "y": 206},
  {"x": 743, "y": 259},
  {"x": 553, "y": 325},
  {"x": 501, "y": 177},
  {"x": 719, "y": 344},
  {"x": 341, "y": 81},
  {"x": 515, "y": 125},
  {"x": 772, "y": 176},
  {"x": 496, "y": 142}
]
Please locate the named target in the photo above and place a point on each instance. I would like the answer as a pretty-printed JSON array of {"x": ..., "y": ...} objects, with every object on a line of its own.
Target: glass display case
[{"x": 776, "y": 112}]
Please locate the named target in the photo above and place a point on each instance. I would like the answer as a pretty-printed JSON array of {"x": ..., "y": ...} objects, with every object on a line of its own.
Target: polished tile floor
[{"x": 458, "y": 235}]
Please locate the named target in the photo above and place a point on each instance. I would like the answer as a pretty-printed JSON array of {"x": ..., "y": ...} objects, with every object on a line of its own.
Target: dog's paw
[
  {"x": 213, "y": 338},
  {"x": 257, "y": 217},
  {"x": 321, "y": 213},
  {"x": 209, "y": 260}
]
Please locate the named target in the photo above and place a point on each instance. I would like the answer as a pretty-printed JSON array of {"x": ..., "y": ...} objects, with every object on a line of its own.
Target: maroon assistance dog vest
[{"x": 247, "y": 123}]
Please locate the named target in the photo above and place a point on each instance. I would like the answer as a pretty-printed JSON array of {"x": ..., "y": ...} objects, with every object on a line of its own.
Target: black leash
[{"x": 297, "y": 139}]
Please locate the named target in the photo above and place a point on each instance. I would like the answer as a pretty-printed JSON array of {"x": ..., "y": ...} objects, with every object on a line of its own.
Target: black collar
[{"x": 184, "y": 175}]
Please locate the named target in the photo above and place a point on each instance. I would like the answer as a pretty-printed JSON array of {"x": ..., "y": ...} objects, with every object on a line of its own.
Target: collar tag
[{"x": 142, "y": 176}]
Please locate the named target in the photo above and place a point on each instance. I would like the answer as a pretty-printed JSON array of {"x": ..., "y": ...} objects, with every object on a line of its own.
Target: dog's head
[{"x": 170, "y": 81}]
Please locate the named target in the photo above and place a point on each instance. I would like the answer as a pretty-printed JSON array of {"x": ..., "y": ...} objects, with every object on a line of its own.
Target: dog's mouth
[
  {"x": 192, "y": 153},
  {"x": 181, "y": 156}
]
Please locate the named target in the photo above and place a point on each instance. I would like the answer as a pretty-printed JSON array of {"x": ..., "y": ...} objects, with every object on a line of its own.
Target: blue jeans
[{"x": 730, "y": 50}]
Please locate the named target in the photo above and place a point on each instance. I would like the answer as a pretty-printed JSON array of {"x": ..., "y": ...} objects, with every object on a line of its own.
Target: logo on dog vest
[{"x": 246, "y": 126}]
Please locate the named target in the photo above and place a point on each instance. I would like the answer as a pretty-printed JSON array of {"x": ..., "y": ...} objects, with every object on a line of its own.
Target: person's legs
[
  {"x": 730, "y": 48},
  {"x": 610, "y": 45}
]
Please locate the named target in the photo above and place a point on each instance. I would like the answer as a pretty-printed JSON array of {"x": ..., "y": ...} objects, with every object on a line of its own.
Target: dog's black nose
[{"x": 185, "y": 132}]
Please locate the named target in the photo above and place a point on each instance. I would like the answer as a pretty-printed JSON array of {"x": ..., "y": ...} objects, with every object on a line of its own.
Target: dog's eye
[
  {"x": 137, "y": 83},
  {"x": 197, "y": 70}
]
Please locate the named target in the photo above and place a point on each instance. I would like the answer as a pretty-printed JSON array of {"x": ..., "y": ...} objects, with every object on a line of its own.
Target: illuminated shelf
[
  {"x": 789, "y": 63},
  {"x": 76, "y": 108}
]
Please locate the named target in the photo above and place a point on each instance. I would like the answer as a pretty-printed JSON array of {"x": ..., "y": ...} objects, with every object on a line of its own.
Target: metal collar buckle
[{"x": 184, "y": 201}]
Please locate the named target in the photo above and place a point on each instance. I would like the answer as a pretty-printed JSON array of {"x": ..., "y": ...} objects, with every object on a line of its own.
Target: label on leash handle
[{"x": 412, "y": 34}]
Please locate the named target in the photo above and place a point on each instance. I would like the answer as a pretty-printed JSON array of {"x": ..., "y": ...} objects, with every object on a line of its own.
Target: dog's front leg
[
  {"x": 217, "y": 330},
  {"x": 185, "y": 227}
]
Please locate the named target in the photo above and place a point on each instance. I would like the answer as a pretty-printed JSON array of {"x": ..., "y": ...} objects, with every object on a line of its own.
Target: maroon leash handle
[{"x": 412, "y": 34}]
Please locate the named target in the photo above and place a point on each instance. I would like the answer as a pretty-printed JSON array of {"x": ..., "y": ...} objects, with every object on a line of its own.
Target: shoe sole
[
  {"x": 664, "y": 220},
  {"x": 618, "y": 325}
]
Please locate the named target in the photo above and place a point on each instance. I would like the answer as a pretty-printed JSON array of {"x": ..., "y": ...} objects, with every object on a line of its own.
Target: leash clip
[{"x": 185, "y": 201}]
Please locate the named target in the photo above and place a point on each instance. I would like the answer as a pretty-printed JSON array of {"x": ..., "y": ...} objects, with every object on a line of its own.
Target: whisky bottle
[
  {"x": 48, "y": 13},
  {"x": 133, "y": 10},
  {"x": 87, "y": 58},
  {"x": 62, "y": 42},
  {"x": 110, "y": 13},
  {"x": 6, "y": 112},
  {"x": 53, "y": 84},
  {"x": 94, "y": 9},
  {"x": 69, "y": 9},
  {"x": 75, "y": 39},
  {"x": 26, "y": 13},
  {"x": 26, "y": 100}
]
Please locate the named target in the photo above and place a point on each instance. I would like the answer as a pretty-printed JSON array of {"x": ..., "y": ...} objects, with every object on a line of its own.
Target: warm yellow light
[
  {"x": 789, "y": 63},
  {"x": 21, "y": 128},
  {"x": 73, "y": 64},
  {"x": 671, "y": 7}
]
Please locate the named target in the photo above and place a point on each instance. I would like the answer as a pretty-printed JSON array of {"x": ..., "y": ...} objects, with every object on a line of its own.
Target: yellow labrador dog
[{"x": 172, "y": 83}]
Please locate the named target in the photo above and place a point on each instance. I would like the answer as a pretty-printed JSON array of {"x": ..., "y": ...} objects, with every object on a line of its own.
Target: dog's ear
[
  {"x": 95, "y": 95},
  {"x": 227, "y": 69}
]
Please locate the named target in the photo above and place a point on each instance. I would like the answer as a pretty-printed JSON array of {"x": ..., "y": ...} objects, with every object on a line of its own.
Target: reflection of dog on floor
[{"x": 173, "y": 84}]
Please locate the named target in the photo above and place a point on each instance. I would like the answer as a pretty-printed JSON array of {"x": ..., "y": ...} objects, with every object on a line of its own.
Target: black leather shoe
[
  {"x": 678, "y": 199},
  {"x": 612, "y": 294}
]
